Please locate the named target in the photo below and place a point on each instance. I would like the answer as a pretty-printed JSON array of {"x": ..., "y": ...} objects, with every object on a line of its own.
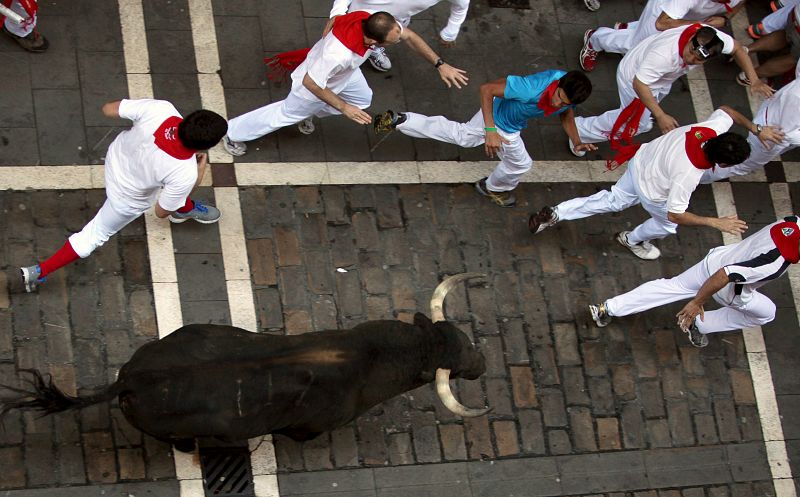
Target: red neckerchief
[
  {"x": 621, "y": 138},
  {"x": 686, "y": 37},
  {"x": 167, "y": 139},
  {"x": 727, "y": 5},
  {"x": 695, "y": 138},
  {"x": 786, "y": 236},
  {"x": 547, "y": 97},
  {"x": 347, "y": 29}
]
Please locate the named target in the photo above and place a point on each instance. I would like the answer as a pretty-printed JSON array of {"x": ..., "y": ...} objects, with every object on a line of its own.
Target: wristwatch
[
  {"x": 759, "y": 128},
  {"x": 439, "y": 62}
]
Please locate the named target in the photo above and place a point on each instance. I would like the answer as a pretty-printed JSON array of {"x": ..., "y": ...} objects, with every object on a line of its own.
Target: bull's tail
[{"x": 46, "y": 398}]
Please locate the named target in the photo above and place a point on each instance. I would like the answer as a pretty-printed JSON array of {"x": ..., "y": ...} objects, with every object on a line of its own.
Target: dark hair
[
  {"x": 707, "y": 38},
  {"x": 378, "y": 26},
  {"x": 728, "y": 149},
  {"x": 202, "y": 129},
  {"x": 576, "y": 85}
]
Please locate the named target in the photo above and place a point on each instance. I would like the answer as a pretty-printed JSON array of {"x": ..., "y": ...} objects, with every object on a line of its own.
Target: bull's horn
[
  {"x": 437, "y": 301},
  {"x": 443, "y": 375}
]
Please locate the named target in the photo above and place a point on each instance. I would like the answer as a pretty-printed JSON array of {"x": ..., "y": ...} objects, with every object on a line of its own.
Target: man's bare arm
[
  {"x": 111, "y": 109},
  {"x": 350, "y": 111}
]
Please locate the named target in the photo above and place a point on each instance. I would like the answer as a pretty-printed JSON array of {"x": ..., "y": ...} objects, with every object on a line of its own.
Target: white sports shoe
[
  {"x": 379, "y": 60},
  {"x": 593, "y": 5},
  {"x": 642, "y": 250},
  {"x": 306, "y": 126},
  {"x": 236, "y": 149}
]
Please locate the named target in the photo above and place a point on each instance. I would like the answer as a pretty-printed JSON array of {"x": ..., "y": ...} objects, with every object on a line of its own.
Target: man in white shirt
[
  {"x": 730, "y": 274},
  {"x": 156, "y": 162},
  {"x": 658, "y": 15},
  {"x": 403, "y": 11},
  {"x": 661, "y": 177},
  {"x": 782, "y": 112},
  {"x": 645, "y": 76},
  {"x": 329, "y": 81}
]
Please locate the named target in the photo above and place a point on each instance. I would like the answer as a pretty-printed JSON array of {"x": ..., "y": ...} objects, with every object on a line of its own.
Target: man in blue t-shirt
[{"x": 506, "y": 106}]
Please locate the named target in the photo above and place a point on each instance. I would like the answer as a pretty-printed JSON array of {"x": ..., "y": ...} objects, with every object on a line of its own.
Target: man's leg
[
  {"x": 467, "y": 135},
  {"x": 514, "y": 162},
  {"x": 621, "y": 196},
  {"x": 265, "y": 120},
  {"x": 778, "y": 19},
  {"x": 658, "y": 226},
  {"x": 758, "y": 311},
  {"x": 612, "y": 40}
]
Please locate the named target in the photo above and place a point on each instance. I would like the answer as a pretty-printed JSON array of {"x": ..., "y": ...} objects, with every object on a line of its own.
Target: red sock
[
  {"x": 187, "y": 207},
  {"x": 64, "y": 256}
]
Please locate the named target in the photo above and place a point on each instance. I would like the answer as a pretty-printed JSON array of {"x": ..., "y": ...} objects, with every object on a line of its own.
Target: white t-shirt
[
  {"x": 695, "y": 10},
  {"x": 783, "y": 109},
  {"x": 136, "y": 168},
  {"x": 657, "y": 61},
  {"x": 403, "y": 10},
  {"x": 663, "y": 171},
  {"x": 330, "y": 64}
]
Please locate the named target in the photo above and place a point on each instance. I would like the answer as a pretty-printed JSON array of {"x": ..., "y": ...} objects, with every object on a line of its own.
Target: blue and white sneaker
[
  {"x": 31, "y": 277},
  {"x": 202, "y": 213}
]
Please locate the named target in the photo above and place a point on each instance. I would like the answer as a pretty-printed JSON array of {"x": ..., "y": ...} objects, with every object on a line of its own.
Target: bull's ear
[{"x": 422, "y": 321}]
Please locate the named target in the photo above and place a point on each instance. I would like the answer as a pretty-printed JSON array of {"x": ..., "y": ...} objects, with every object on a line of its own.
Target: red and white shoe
[
  {"x": 620, "y": 25},
  {"x": 588, "y": 56}
]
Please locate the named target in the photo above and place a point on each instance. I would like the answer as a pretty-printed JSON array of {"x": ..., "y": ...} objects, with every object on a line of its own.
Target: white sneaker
[
  {"x": 593, "y": 5},
  {"x": 306, "y": 126},
  {"x": 379, "y": 60},
  {"x": 642, "y": 250},
  {"x": 237, "y": 149},
  {"x": 576, "y": 153}
]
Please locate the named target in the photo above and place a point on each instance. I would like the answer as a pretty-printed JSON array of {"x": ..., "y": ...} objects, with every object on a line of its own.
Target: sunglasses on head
[{"x": 702, "y": 51}]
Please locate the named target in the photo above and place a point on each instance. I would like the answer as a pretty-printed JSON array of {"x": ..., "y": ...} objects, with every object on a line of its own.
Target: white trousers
[
  {"x": 110, "y": 219},
  {"x": 596, "y": 129},
  {"x": 295, "y": 108},
  {"x": 757, "y": 311},
  {"x": 778, "y": 19},
  {"x": 623, "y": 194},
  {"x": 514, "y": 158},
  {"x": 20, "y": 29},
  {"x": 622, "y": 40}
]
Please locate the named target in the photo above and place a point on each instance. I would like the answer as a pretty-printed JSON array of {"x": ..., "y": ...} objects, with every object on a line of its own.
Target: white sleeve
[
  {"x": 339, "y": 7},
  {"x": 458, "y": 13},
  {"x": 136, "y": 109},
  {"x": 323, "y": 67},
  {"x": 676, "y": 9},
  {"x": 720, "y": 121}
]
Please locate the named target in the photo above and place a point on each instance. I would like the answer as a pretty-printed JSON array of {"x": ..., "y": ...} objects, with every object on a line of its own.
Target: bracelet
[
  {"x": 439, "y": 62},
  {"x": 490, "y": 129}
]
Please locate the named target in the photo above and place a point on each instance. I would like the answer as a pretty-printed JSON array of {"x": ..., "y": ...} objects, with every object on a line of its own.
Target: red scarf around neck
[
  {"x": 695, "y": 137},
  {"x": 545, "y": 101},
  {"x": 166, "y": 138},
  {"x": 348, "y": 30}
]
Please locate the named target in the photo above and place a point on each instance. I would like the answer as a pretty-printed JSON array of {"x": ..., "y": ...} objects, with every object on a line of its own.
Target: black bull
[{"x": 228, "y": 383}]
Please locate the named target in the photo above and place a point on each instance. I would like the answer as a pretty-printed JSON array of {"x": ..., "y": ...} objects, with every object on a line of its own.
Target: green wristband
[{"x": 490, "y": 129}]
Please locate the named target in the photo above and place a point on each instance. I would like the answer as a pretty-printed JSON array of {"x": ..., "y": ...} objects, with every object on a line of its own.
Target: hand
[
  {"x": 771, "y": 135},
  {"x": 666, "y": 123},
  {"x": 447, "y": 44},
  {"x": 716, "y": 21},
  {"x": 452, "y": 76},
  {"x": 354, "y": 113},
  {"x": 731, "y": 224},
  {"x": 585, "y": 147},
  {"x": 493, "y": 143},
  {"x": 761, "y": 88},
  {"x": 202, "y": 158},
  {"x": 690, "y": 311},
  {"x": 328, "y": 26}
]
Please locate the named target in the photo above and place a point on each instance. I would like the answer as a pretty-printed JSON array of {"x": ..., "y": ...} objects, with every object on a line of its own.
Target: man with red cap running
[
  {"x": 329, "y": 81},
  {"x": 730, "y": 274}
]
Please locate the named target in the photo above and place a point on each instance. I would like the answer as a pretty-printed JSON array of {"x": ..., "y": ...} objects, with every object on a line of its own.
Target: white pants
[
  {"x": 623, "y": 194},
  {"x": 759, "y": 155},
  {"x": 778, "y": 19},
  {"x": 296, "y": 108},
  {"x": 514, "y": 158},
  {"x": 757, "y": 311},
  {"x": 622, "y": 40},
  {"x": 20, "y": 29},
  {"x": 596, "y": 129},
  {"x": 110, "y": 219}
]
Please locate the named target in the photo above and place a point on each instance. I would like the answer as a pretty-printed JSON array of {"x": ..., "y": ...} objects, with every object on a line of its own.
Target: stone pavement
[{"x": 632, "y": 410}]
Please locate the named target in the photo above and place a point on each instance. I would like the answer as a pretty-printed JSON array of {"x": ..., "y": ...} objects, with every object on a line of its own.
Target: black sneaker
[
  {"x": 543, "y": 219},
  {"x": 600, "y": 314},
  {"x": 388, "y": 121},
  {"x": 503, "y": 199},
  {"x": 695, "y": 337}
]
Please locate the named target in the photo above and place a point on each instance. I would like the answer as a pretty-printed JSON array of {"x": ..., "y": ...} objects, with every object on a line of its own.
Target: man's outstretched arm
[{"x": 449, "y": 74}]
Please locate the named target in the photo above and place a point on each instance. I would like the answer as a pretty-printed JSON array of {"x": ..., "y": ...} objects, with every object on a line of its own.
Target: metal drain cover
[{"x": 226, "y": 472}]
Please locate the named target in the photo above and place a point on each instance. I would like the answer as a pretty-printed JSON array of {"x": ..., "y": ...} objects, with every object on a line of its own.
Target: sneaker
[
  {"x": 588, "y": 55},
  {"x": 620, "y": 25},
  {"x": 237, "y": 149},
  {"x": 742, "y": 79},
  {"x": 775, "y": 5},
  {"x": 34, "y": 42},
  {"x": 31, "y": 278},
  {"x": 642, "y": 250},
  {"x": 388, "y": 121},
  {"x": 543, "y": 219},
  {"x": 503, "y": 199},
  {"x": 756, "y": 31},
  {"x": 576, "y": 153},
  {"x": 593, "y": 5},
  {"x": 600, "y": 315},
  {"x": 695, "y": 337},
  {"x": 306, "y": 126},
  {"x": 202, "y": 213},
  {"x": 379, "y": 60}
]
